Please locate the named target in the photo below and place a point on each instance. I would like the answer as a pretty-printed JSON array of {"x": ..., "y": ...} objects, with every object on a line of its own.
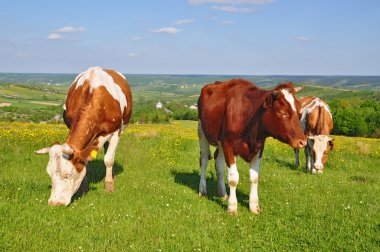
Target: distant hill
[{"x": 350, "y": 82}]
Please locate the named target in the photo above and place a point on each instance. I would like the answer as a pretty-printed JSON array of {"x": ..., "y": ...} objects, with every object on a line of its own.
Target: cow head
[
  {"x": 321, "y": 144},
  {"x": 66, "y": 171},
  {"x": 281, "y": 116}
]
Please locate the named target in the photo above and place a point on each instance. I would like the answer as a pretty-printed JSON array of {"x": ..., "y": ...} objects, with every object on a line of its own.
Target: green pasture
[{"x": 156, "y": 206}]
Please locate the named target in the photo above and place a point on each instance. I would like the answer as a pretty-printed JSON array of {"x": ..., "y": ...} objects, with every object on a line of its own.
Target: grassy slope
[{"x": 156, "y": 204}]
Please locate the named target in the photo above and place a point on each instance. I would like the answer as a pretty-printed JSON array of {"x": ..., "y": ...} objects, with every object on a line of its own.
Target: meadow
[{"x": 156, "y": 206}]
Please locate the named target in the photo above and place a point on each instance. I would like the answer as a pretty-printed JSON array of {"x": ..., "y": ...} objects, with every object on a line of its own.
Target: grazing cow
[
  {"x": 98, "y": 107},
  {"x": 316, "y": 120},
  {"x": 237, "y": 117}
]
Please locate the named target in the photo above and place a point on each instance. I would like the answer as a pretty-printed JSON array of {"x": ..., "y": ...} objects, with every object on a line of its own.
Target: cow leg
[
  {"x": 254, "y": 171},
  {"x": 205, "y": 155},
  {"x": 297, "y": 155},
  {"x": 233, "y": 180},
  {"x": 109, "y": 159},
  {"x": 308, "y": 154},
  {"x": 219, "y": 167},
  {"x": 233, "y": 177}
]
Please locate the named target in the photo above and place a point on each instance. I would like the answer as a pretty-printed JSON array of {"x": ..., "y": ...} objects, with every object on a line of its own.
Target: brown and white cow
[
  {"x": 98, "y": 107},
  {"x": 316, "y": 120},
  {"x": 237, "y": 117}
]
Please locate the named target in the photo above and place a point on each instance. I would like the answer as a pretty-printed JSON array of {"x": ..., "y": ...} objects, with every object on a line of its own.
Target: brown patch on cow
[
  {"x": 240, "y": 115},
  {"x": 94, "y": 114}
]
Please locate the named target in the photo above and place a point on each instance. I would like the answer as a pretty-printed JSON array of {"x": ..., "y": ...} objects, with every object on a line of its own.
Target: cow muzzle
[
  {"x": 302, "y": 143},
  {"x": 318, "y": 168},
  {"x": 298, "y": 143},
  {"x": 55, "y": 203}
]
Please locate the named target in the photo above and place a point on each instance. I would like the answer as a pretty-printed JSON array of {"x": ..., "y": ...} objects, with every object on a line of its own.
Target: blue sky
[{"x": 258, "y": 37}]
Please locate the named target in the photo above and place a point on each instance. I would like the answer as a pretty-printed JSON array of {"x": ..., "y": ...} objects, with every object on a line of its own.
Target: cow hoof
[
  {"x": 255, "y": 209},
  {"x": 232, "y": 208},
  {"x": 202, "y": 194},
  {"x": 232, "y": 211},
  {"x": 202, "y": 191},
  {"x": 109, "y": 186}
]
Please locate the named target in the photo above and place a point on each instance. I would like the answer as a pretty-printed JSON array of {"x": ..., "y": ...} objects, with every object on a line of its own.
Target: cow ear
[
  {"x": 311, "y": 137},
  {"x": 298, "y": 89},
  {"x": 268, "y": 102},
  {"x": 43, "y": 151},
  {"x": 331, "y": 144}
]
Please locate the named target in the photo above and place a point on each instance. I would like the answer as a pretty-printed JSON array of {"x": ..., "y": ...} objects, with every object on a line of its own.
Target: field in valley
[{"x": 156, "y": 206}]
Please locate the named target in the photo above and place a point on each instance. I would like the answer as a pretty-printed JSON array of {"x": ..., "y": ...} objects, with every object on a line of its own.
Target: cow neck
[
  {"x": 255, "y": 131},
  {"x": 83, "y": 131}
]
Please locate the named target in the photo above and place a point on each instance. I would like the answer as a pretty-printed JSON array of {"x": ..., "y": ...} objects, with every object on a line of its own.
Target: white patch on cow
[
  {"x": 289, "y": 97},
  {"x": 319, "y": 146},
  {"x": 233, "y": 180},
  {"x": 109, "y": 157},
  {"x": 102, "y": 140},
  {"x": 65, "y": 178},
  {"x": 121, "y": 75},
  {"x": 98, "y": 77},
  {"x": 254, "y": 171},
  {"x": 313, "y": 104}
]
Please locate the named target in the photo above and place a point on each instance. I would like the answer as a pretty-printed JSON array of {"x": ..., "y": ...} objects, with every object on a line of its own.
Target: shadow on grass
[
  {"x": 285, "y": 164},
  {"x": 96, "y": 172},
  {"x": 291, "y": 166},
  {"x": 191, "y": 180}
]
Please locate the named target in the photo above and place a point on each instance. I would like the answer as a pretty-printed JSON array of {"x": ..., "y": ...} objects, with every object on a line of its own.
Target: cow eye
[
  {"x": 283, "y": 115},
  {"x": 67, "y": 157}
]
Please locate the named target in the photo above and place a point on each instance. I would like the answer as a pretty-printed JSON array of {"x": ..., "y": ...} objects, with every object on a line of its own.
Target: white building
[
  {"x": 193, "y": 107},
  {"x": 158, "y": 105}
]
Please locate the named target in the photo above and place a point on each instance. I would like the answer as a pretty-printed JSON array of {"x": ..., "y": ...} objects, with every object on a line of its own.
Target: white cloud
[
  {"x": 232, "y": 9},
  {"x": 171, "y": 30},
  {"x": 133, "y": 54},
  {"x": 198, "y": 2},
  {"x": 136, "y": 38},
  {"x": 71, "y": 29},
  {"x": 184, "y": 21},
  {"x": 55, "y": 36},
  {"x": 304, "y": 39}
]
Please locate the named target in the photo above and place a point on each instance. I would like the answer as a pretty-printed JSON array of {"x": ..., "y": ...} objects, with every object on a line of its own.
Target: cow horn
[
  {"x": 43, "y": 151},
  {"x": 275, "y": 94},
  {"x": 297, "y": 89},
  {"x": 66, "y": 149}
]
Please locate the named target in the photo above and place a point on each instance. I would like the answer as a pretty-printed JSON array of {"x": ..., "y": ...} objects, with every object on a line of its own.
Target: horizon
[
  {"x": 206, "y": 74},
  {"x": 199, "y": 37}
]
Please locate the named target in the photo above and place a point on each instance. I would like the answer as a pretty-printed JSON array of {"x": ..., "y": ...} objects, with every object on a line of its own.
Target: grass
[{"x": 156, "y": 206}]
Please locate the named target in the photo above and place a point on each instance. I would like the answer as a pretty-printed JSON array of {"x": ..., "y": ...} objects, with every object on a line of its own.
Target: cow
[
  {"x": 236, "y": 116},
  {"x": 97, "y": 109},
  {"x": 317, "y": 123}
]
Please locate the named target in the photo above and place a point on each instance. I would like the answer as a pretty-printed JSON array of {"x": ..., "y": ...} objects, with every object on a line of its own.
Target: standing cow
[
  {"x": 98, "y": 107},
  {"x": 316, "y": 120},
  {"x": 237, "y": 117}
]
